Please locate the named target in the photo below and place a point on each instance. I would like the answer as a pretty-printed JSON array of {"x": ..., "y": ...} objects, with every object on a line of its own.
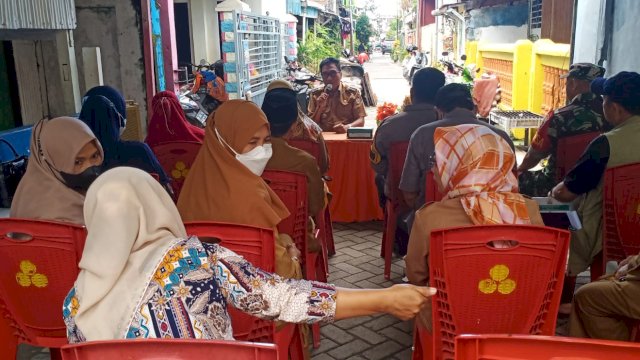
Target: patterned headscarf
[{"x": 475, "y": 164}]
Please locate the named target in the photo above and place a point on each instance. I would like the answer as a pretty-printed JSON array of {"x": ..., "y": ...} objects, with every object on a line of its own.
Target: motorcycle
[
  {"x": 415, "y": 63},
  {"x": 455, "y": 73},
  {"x": 302, "y": 80},
  {"x": 195, "y": 99}
]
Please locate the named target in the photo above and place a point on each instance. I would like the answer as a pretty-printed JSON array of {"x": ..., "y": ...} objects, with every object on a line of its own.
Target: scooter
[{"x": 419, "y": 61}]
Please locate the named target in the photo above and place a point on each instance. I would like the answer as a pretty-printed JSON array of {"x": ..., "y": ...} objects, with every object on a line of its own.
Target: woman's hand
[
  {"x": 402, "y": 301},
  {"x": 405, "y": 301}
]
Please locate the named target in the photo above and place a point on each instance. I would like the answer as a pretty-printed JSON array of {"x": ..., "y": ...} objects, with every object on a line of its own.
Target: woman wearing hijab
[
  {"x": 65, "y": 157},
  {"x": 142, "y": 277},
  {"x": 168, "y": 122},
  {"x": 473, "y": 167},
  {"x": 104, "y": 110},
  {"x": 304, "y": 128},
  {"x": 224, "y": 182}
]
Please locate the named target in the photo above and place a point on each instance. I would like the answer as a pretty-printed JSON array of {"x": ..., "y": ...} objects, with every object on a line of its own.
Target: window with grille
[{"x": 535, "y": 18}]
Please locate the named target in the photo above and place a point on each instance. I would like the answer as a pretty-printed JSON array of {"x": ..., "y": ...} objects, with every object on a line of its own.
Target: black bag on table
[{"x": 11, "y": 171}]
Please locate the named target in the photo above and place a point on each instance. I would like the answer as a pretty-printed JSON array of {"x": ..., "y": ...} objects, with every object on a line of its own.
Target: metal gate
[{"x": 252, "y": 53}]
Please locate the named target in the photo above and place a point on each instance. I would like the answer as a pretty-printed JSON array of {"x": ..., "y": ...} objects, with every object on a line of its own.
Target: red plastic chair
[
  {"x": 431, "y": 191},
  {"x": 39, "y": 266},
  {"x": 256, "y": 245},
  {"x": 569, "y": 150},
  {"x": 291, "y": 188},
  {"x": 169, "y": 349},
  {"x": 176, "y": 158},
  {"x": 526, "y": 347},
  {"x": 484, "y": 290},
  {"x": 621, "y": 212},
  {"x": 323, "y": 222},
  {"x": 394, "y": 203}
]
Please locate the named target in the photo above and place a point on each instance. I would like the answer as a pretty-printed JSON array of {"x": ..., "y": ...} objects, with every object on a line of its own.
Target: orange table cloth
[{"x": 355, "y": 197}]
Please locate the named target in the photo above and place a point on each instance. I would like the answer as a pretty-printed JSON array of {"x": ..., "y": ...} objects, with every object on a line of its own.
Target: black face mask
[{"x": 81, "y": 182}]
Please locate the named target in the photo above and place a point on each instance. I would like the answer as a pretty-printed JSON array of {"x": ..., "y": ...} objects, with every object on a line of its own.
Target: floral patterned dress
[{"x": 188, "y": 295}]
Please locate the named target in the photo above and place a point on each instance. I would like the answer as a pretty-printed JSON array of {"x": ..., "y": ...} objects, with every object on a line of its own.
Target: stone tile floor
[{"x": 357, "y": 264}]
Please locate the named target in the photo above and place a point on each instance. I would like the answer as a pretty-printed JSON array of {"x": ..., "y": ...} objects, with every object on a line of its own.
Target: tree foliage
[
  {"x": 322, "y": 43},
  {"x": 392, "y": 33},
  {"x": 364, "y": 30}
]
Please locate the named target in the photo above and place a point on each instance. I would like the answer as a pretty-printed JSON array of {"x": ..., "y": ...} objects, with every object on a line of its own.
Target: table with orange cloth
[{"x": 355, "y": 197}]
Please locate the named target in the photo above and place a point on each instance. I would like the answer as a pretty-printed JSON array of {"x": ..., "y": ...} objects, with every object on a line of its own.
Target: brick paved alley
[{"x": 357, "y": 264}]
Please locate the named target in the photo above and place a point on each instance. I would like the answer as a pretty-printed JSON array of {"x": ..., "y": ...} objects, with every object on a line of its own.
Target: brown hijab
[
  {"x": 219, "y": 187},
  {"x": 41, "y": 193}
]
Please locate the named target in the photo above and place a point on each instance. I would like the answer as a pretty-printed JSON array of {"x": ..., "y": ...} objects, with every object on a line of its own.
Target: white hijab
[{"x": 132, "y": 223}]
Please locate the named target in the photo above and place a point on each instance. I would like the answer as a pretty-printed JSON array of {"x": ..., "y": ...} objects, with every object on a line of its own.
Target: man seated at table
[
  {"x": 336, "y": 106},
  {"x": 281, "y": 108},
  {"x": 456, "y": 105},
  {"x": 582, "y": 115},
  {"x": 599, "y": 308},
  {"x": 399, "y": 127}
]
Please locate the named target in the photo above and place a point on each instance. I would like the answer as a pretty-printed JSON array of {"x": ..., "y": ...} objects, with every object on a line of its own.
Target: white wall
[
  {"x": 115, "y": 27},
  {"x": 589, "y": 21},
  {"x": 625, "y": 46},
  {"x": 276, "y": 8},
  {"x": 205, "y": 36},
  {"x": 501, "y": 34},
  {"x": 589, "y": 35}
]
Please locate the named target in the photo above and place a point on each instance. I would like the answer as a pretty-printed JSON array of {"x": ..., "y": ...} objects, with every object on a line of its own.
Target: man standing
[
  {"x": 582, "y": 115},
  {"x": 398, "y": 128},
  {"x": 336, "y": 107},
  {"x": 456, "y": 103}
]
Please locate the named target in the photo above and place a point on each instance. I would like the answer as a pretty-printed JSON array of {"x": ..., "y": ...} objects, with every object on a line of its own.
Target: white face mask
[{"x": 255, "y": 160}]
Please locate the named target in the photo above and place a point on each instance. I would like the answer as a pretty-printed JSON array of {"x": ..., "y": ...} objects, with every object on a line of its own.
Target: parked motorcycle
[
  {"x": 302, "y": 80},
  {"x": 455, "y": 73},
  {"x": 195, "y": 98}
]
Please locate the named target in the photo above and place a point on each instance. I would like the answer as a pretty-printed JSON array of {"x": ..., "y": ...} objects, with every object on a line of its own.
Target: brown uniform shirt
[{"x": 343, "y": 107}]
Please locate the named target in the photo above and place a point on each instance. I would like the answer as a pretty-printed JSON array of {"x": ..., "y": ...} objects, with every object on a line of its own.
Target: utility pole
[{"x": 353, "y": 28}]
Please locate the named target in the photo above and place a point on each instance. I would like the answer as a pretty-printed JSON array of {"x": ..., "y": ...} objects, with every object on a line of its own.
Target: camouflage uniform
[{"x": 583, "y": 115}]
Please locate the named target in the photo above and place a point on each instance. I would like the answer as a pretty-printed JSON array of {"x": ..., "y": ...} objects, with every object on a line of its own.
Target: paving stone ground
[{"x": 357, "y": 264}]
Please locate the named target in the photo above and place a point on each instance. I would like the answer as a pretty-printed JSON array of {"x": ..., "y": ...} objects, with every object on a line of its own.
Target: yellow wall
[{"x": 529, "y": 61}]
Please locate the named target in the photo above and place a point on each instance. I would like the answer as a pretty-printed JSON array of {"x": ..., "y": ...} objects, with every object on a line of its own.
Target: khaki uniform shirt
[{"x": 343, "y": 107}]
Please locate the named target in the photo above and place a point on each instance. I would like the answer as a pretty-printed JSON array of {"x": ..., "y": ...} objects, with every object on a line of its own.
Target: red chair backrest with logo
[
  {"x": 483, "y": 289},
  {"x": 39, "y": 266},
  {"x": 176, "y": 158},
  {"x": 169, "y": 349},
  {"x": 621, "y": 212}
]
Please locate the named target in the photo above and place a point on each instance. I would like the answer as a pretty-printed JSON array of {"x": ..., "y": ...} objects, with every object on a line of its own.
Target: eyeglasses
[{"x": 332, "y": 73}]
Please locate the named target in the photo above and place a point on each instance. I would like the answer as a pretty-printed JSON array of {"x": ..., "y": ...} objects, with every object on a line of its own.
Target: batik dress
[{"x": 188, "y": 294}]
